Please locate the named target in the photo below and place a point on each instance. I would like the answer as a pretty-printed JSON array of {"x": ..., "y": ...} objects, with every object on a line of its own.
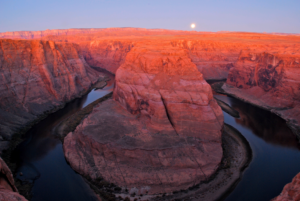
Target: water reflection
[
  {"x": 41, "y": 160},
  {"x": 276, "y": 155},
  {"x": 262, "y": 123}
]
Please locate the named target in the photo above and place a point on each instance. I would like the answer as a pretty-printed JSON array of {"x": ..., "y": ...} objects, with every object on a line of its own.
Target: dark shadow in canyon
[{"x": 40, "y": 159}]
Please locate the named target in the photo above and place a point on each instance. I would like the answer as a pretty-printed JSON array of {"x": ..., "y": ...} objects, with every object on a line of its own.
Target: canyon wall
[
  {"x": 161, "y": 82},
  {"x": 106, "y": 54},
  {"x": 161, "y": 134},
  {"x": 36, "y": 77},
  {"x": 213, "y": 53},
  {"x": 269, "y": 80}
]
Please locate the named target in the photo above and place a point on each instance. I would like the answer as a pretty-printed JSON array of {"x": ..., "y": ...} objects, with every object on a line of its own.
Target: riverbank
[
  {"x": 70, "y": 124},
  {"x": 237, "y": 155},
  {"x": 288, "y": 114}
]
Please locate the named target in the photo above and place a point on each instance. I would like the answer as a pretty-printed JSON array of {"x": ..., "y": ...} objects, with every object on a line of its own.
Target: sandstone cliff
[
  {"x": 165, "y": 137},
  {"x": 269, "y": 80},
  {"x": 36, "y": 77},
  {"x": 107, "y": 54},
  {"x": 161, "y": 82},
  {"x": 213, "y": 53}
]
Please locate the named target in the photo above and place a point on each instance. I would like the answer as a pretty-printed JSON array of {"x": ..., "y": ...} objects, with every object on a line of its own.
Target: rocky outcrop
[
  {"x": 37, "y": 77},
  {"x": 270, "y": 81},
  {"x": 163, "y": 132},
  {"x": 8, "y": 191},
  {"x": 106, "y": 54},
  {"x": 161, "y": 83},
  {"x": 291, "y": 191},
  {"x": 213, "y": 53}
]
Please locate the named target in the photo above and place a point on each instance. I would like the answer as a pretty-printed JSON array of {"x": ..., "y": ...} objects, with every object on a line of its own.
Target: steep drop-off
[
  {"x": 98, "y": 31},
  {"x": 8, "y": 190},
  {"x": 161, "y": 134},
  {"x": 213, "y": 53},
  {"x": 269, "y": 80},
  {"x": 36, "y": 77}
]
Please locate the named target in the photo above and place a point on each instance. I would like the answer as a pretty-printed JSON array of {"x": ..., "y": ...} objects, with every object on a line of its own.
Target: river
[
  {"x": 276, "y": 154},
  {"x": 40, "y": 158}
]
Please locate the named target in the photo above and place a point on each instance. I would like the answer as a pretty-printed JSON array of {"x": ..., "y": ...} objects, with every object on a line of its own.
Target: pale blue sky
[{"x": 209, "y": 15}]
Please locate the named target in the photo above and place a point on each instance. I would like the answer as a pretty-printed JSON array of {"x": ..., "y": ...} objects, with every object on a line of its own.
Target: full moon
[{"x": 193, "y": 25}]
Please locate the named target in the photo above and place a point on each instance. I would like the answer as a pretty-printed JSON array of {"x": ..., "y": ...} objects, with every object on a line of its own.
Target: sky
[{"x": 281, "y": 16}]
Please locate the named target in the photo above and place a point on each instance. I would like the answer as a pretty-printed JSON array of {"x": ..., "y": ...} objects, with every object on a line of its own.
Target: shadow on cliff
[{"x": 265, "y": 125}]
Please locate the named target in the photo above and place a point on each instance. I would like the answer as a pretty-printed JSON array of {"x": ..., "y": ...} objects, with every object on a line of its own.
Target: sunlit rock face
[
  {"x": 163, "y": 132},
  {"x": 212, "y": 58},
  {"x": 162, "y": 84},
  {"x": 106, "y": 54},
  {"x": 8, "y": 190},
  {"x": 269, "y": 80},
  {"x": 37, "y": 76},
  {"x": 291, "y": 191}
]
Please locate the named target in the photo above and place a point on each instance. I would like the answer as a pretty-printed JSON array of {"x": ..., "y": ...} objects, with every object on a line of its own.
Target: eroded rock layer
[
  {"x": 269, "y": 80},
  {"x": 162, "y": 84},
  {"x": 163, "y": 132},
  {"x": 37, "y": 76}
]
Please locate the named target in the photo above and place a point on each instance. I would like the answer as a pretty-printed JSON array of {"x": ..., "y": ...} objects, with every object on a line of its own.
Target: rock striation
[
  {"x": 269, "y": 80},
  {"x": 161, "y": 134},
  {"x": 106, "y": 54},
  {"x": 291, "y": 191},
  {"x": 161, "y": 83},
  {"x": 37, "y": 77}
]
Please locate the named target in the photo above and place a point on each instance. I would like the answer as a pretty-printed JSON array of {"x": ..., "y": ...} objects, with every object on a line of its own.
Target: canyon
[{"x": 166, "y": 115}]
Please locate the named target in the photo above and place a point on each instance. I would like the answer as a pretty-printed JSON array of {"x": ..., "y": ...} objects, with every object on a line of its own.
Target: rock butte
[
  {"x": 36, "y": 77},
  {"x": 262, "y": 69},
  {"x": 172, "y": 138}
]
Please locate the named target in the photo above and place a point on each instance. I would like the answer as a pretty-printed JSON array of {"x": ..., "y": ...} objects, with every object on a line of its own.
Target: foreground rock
[
  {"x": 291, "y": 191},
  {"x": 167, "y": 135},
  {"x": 270, "y": 81},
  {"x": 8, "y": 191}
]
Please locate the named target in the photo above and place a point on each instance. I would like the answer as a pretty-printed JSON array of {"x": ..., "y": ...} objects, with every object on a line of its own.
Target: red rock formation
[
  {"x": 291, "y": 191},
  {"x": 162, "y": 83},
  {"x": 37, "y": 76},
  {"x": 106, "y": 54},
  {"x": 167, "y": 135},
  {"x": 213, "y": 53},
  {"x": 212, "y": 58},
  {"x": 269, "y": 80},
  {"x": 8, "y": 191}
]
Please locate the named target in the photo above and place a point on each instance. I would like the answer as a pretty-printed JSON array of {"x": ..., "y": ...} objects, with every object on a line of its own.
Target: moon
[{"x": 193, "y": 26}]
